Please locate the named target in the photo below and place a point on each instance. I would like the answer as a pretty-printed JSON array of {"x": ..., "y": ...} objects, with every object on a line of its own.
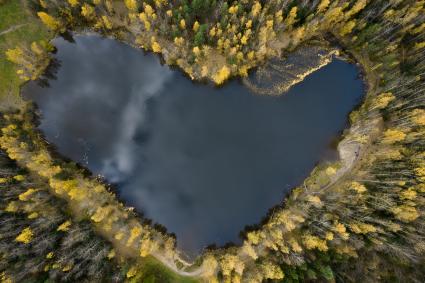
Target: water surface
[{"x": 204, "y": 162}]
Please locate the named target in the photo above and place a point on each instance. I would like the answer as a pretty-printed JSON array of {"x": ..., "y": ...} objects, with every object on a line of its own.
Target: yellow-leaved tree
[
  {"x": 222, "y": 75},
  {"x": 131, "y": 5},
  {"x": 50, "y": 21},
  {"x": 25, "y": 236}
]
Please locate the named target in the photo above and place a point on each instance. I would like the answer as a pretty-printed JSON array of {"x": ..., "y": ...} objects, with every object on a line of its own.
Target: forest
[{"x": 360, "y": 219}]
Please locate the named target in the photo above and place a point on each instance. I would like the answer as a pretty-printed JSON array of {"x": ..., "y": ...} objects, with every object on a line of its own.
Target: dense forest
[{"x": 360, "y": 219}]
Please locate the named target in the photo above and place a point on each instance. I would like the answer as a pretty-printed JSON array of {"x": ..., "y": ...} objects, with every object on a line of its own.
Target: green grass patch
[
  {"x": 151, "y": 270},
  {"x": 18, "y": 27}
]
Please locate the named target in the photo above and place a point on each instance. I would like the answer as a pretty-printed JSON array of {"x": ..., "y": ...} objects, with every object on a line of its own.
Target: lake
[{"x": 202, "y": 161}]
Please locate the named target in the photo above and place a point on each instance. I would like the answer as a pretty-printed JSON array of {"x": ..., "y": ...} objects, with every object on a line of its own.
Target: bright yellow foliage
[
  {"x": 19, "y": 178},
  {"x": 382, "y": 100},
  {"x": 295, "y": 246},
  {"x": 146, "y": 247},
  {"x": 313, "y": 242},
  {"x": 100, "y": 214},
  {"x": 26, "y": 195},
  {"x": 156, "y": 47},
  {"x": 14, "y": 55},
  {"x": 222, "y": 75},
  {"x": 134, "y": 234},
  {"x": 347, "y": 28},
  {"x": 119, "y": 236},
  {"x": 233, "y": 10},
  {"x": 392, "y": 136},
  {"x": 290, "y": 19},
  {"x": 11, "y": 207},
  {"x": 419, "y": 45},
  {"x": 405, "y": 213},
  {"x": 409, "y": 194},
  {"x": 362, "y": 228},
  {"x": 196, "y": 51},
  {"x": 418, "y": 117},
  {"x": 149, "y": 10},
  {"x": 25, "y": 236},
  {"x": 272, "y": 271},
  {"x": 182, "y": 24},
  {"x": 131, "y": 5},
  {"x": 88, "y": 11},
  {"x": 256, "y": 8},
  {"x": 196, "y": 26},
  {"x": 323, "y": 5},
  {"x": 360, "y": 5},
  {"x": 111, "y": 254},
  {"x": 49, "y": 21},
  {"x": 4, "y": 278},
  {"x": 131, "y": 272},
  {"x": 73, "y": 3},
  {"x": 67, "y": 267},
  {"x": 228, "y": 264},
  {"x": 179, "y": 41},
  {"x": 330, "y": 171},
  {"x": 359, "y": 188},
  {"x": 33, "y": 215},
  {"x": 64, "y": 226},
  {"x": 314, "y": 199},
  {"x": 340, "y": 229}
]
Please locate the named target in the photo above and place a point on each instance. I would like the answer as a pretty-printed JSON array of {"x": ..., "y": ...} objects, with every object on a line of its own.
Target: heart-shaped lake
[{"x": 202, "y": 161}]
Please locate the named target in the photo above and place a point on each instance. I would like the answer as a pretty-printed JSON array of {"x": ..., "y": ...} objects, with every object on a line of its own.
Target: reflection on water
[{"x": 203, "y": 162}]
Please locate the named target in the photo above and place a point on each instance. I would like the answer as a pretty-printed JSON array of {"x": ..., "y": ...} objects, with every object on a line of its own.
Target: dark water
[{"x": 203, "y": 162}]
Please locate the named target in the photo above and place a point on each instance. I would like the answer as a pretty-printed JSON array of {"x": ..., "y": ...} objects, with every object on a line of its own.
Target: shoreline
[{"x": 211, "y": 248}]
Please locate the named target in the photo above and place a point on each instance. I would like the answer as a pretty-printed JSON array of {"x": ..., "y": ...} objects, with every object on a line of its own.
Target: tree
[
  {"x": 272, "y": 271},
  {"x": 131, "y": 5},
  {"x": 249, "y": 250},
  {"x": 314, "y": 242},
  {"x": 200, "y": 35},
  {"x": 155, "y": 46},
  {"x": 347, "y": 27},
  {"x": 291, "y": 18},
  {"x": 88, "y": 12},
  {"x": 73, "y": 3},
  {"x": 323, "y": 5},
  {"x": 134, "y": 234},
  {"x": 107, "y": 22},
  {"x": 182, "y": 24},
  {"x": 222, "y": 75},
  {"x": 382, "y": 100},
  {"x": 64, "y": 226},
  {"x": 418, "y": 117},
  {"x": 51, "y": 22},
  {"x": 26, "y": 195},
  {"x": 256, "y": 9},
  {"x": 392, "y": 136},
  {"x": 25, "y": 236},
  {"x": 405, "y": 213}
]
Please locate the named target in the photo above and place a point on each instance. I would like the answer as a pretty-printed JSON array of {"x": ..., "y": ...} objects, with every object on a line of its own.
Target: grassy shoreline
[{"x": 13, "y": 14}]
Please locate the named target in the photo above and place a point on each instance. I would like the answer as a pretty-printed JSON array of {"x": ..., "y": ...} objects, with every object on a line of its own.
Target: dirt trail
[
  {"x": 198, "y": 272},
  {"x": 12, "y": 28}
]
